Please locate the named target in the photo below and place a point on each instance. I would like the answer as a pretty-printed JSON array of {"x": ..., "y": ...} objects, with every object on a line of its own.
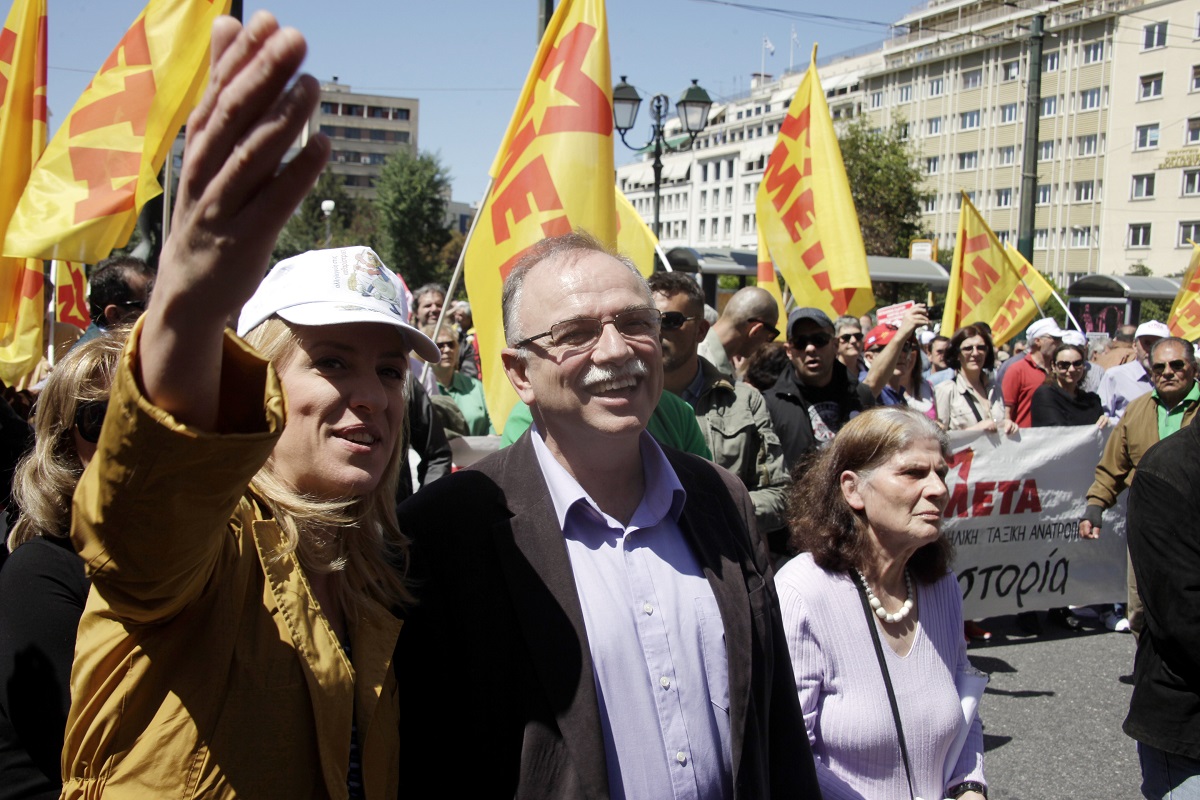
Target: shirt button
[
  {"x": 649, "y": 609},
  {"x": 681, "y": 757},
  {"x": 664, "y": 682}
]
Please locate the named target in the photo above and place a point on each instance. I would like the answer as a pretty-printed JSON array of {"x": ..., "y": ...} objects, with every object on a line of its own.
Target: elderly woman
[
  {"x": 871, "y": 610},
  {"x": 971, "y": 401},
  {"x": 43, "y": 586},
  {"x": 245, "y": 558}
]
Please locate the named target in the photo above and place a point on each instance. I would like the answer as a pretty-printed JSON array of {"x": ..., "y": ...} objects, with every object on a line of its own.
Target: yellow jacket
[{"x": 204, "y": 666}]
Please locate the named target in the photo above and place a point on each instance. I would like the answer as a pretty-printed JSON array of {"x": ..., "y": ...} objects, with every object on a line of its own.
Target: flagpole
[
  {"x": 792, "y": 49},
  {"x": 1067, "y": 311},
  {"x": 662, "y": 256}
]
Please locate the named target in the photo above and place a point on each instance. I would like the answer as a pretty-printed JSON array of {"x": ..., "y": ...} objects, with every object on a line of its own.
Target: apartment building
[
  {"x": 364, "y": 129},
  {"x": 955, "y": 76}
]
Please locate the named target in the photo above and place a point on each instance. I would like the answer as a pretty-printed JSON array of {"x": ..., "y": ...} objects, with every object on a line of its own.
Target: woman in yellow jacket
[{"x": 237, "y": 520}]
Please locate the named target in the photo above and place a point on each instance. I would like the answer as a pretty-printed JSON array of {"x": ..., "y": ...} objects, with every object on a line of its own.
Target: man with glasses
[
  {"x": 597, "y": 615},
  {"x": 1027, "y": 374},
  {"x": 747, "y": 323},
  {"x": 815, "y": 395},
  {"x": 118, "y": 291},
  {"x": 1146, "y": 421},
  {"x": 733, "y": 416}
]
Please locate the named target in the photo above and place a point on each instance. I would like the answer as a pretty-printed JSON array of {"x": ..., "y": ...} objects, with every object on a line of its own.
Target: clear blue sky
[{"x": 465, "y": 60}]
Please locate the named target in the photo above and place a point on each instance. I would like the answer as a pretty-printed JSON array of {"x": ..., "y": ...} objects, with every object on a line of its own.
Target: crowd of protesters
[{"x": 705, "y": 563}]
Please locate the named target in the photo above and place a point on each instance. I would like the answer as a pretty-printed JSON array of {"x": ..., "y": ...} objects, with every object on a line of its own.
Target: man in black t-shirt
[{"x": 814, "y": 396}]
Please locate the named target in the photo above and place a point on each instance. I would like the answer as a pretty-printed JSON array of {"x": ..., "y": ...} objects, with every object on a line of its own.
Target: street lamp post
[
  {"x": 327, "y": 207},
  {"x": 692, "y": 107}
]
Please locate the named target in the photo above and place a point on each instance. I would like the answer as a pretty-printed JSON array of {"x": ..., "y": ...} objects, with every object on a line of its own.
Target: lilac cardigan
[{"x": 844, "y": 699}]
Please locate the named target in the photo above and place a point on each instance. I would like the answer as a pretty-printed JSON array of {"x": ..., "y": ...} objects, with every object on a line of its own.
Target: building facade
[
  {"x": 364, "y": 129},
  {"x": 1117, "y": 142}
]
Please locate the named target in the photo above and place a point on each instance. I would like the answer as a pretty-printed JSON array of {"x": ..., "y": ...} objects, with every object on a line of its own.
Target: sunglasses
[
  {"x": 1066, "y": 365},
  {"x": 89, "y": 419},
  {"x": 674, "y": 320},
  {"x": 1178, "y": 365},
  {"x": 447, "y": 346},
  {"x": 803, "y": 340},
  {"x": 771, "y": 329},
  {"x": 847, "y": 338}
]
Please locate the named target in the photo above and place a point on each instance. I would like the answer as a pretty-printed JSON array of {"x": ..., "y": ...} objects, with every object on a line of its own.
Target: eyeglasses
[
  {"x": 803, "y": 340},
  {"x": 89, "y": 419},
  {"x": 973, "y": 348},
  {"x": 1066, "y": 365},
  {"x": 1178, "y": 365},
  {"x": 771, "y": 329},
  {"x": 582, "y": 333},
  {"x": 446, "y": 347},
  {"x": 847, "y": 338},
  {"x": 674, "y": 320}
]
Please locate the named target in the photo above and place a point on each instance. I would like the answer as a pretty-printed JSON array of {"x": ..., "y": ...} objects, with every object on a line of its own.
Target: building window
[
  {"x": 1011, "y": 70},
  {"x": 933, "y": 126},
  {"x": 728, "y": 227},
  {"x": 1087, "y": 144},
  {"x": 1156, "y": 36},
  {"x": 968, "y": 120},
  {"x": 935, "y": 87},
  {"x": 971, "y": 79},
  {"x": 1045, "y": 151},
  {"x": 400, "y": 114},
  {"x": 876, "y": 99},
  {"x": 1084, "y": 191},
  {"x": 703, "y": 202},
  {"x": 930, "y": 204},
  {"x": 1004, "y": 198},
  {"x": 1008, "y": 113},
  {"x": 1003, "y": 236},
  {"x": 932, "y": 163},
  {"x": 329, "y": 108},
  {"x": 1050, "y": 62},
  {"x": 1093, "y": 53},
  {"x": 1049, "y": 106},
  {"x": 1081, "y": 237},
  {"x": 702, "y": 230},
  {"x": 968, "y": 160},
  {"x": 1139, "y": 235},
  {"x": 1191, "y": 182},
  {"x": 1006, "y": 155},
  {"x": 729, "y": 197},
  {"x": 746, "y": 223},
  {"x": 1041, "y": 239},
  {"x": 1189, "y": 230},
  {"x": 1143, "y": 186},
  {"x": 1151, "y": 86},
  {"x": 1191, "y": 134},
  {"x": 1089, "y": 99},
  {"x": 1043, "y": 194},
  {"x": 1196, "y": 78},
  {"x": 353, "y": 133},
  {"x": 1145, "y": 137},
  {"x": 903, "y": 132},
  {"x": 905, "y": 93}
]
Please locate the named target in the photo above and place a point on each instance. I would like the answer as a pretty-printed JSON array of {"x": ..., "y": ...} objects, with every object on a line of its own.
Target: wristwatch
[{"x": 964, "y": 787}]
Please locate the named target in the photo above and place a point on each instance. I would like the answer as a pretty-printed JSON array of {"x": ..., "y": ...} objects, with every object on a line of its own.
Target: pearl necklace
[{"x": 877, "y": 606}]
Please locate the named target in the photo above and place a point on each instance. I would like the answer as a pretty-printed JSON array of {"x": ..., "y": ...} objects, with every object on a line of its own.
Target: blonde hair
[
  {"x": 356, "y": 537},
  {"x": 46, "y": 476}
]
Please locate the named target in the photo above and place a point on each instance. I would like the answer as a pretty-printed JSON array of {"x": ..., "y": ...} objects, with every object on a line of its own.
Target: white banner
[{"x": 1013, "y": 516}]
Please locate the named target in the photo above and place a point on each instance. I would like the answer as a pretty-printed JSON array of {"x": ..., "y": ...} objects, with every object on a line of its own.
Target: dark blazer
[{"x": 497, "y": 694}]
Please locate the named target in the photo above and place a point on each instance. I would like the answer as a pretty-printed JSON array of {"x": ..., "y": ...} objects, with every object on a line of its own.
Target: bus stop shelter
[{"x": 1103, "y": 303}]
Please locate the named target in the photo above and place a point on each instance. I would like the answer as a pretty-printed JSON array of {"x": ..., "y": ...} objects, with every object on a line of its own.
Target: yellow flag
[
  {"x": 767, "y": 279},
  {"x": 102, "y": 165},
  {"x": 634, "y": 237},
  {"x": 22, "y": 139},
  {"x": 806, "y": 213},
  {"x": 985, "y": 285},
  {"x": 552, "y": 174},
  {"x": 1184, "y": 319},
  {"x": 70, "y": 295},
  {"x": 1021, "y": 307}
]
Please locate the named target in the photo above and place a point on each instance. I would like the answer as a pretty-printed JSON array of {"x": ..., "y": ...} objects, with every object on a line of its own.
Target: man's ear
[
  {"x": 113, "y": 315},
  {"x": 702, "y": 326},
  {"x": 851, "y": 486},
  {"x": 516, "y": 366}
]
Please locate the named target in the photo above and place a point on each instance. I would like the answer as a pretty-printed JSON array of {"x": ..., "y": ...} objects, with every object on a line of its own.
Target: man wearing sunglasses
[
  {"x": 733, "y": 416},
  {"x": 118, "y": 291},
  {"x": 597, "y": 615},
  {"x": 1147, "y": 420},
  {"x": 815, "y": 395},
  {"x": 747, "y": 323}
]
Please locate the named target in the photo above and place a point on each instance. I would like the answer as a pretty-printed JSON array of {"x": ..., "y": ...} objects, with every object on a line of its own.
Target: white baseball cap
[
  {"x": 1074, "y": 337},
  {"x": 1152, "y": 328},
  {"x": 331, "y": 287},
  {"x": 1043, "y": 327}
]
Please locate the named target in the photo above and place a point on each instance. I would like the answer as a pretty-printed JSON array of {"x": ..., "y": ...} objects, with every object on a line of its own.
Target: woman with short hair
[{"x": 972, "y": 400}]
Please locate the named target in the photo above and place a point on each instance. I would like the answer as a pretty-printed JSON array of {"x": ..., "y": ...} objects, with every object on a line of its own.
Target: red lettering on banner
[
  {"x": 534, "y": 181},
  {"x": 31, "y": 282},
  {"x": 975, "y": 285},
  {"x": 957, "y": 505},
  {"x": 1007, "y": 489},
  {"x": 780, "y": 182},
  {"x": 976, "y": 243},
  {"x": 99, "y": 168},
  {"x": 73, "y": 310},
  {"x": 131, "y": 105},
  {"x": 8, "y": 46},
  {"x": 1191, "y": 312},
  {"x": 793, "y": 127},
  {"x": 40, "y": 112},
  {"x": 981, "y": 503},
  {"x": 1029, "y": 500},
  {"x": 800, "y": 215}
]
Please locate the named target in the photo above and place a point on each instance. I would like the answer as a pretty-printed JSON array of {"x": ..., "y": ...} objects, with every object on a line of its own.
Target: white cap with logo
[
  {"x": 1153, "y": 328},
  {"x": 331, "y": 287},
  {"x": 1043, "y": 327}
]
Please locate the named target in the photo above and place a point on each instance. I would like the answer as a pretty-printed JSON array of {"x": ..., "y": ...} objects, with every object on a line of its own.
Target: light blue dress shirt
[
  {"x": 1121, "y": 385},
  {"x": 655, "y": 636}
]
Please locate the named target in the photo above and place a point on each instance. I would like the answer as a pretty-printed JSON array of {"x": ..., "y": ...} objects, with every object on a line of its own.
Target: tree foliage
[
  {"x": 351, "y": 223},
  {"x": 886, "y": 186},
  {"x": 411, "y": 208}
]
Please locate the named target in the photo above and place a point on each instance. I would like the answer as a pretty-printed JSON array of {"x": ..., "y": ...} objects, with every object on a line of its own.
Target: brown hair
[
  {"x": 824, "y": 524},
  {"x": 970, "y": 332}
]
